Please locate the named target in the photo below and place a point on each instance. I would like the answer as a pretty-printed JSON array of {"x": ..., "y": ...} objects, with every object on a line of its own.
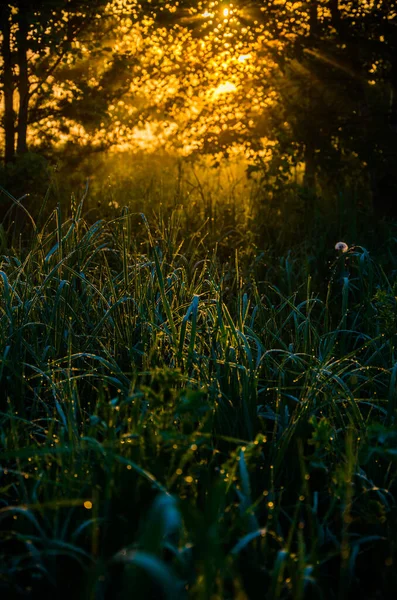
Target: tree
[
  {"x": 37, "y": 40},
  {"x": 7, "y": 82},
  {"x": 336, "y": 85},
  {"x": 307, "y": 83},
  {"x": 24, "y": 18}
]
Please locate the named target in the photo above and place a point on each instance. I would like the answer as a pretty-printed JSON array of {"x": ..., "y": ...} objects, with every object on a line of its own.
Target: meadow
[{"x": 190, "y": 411}]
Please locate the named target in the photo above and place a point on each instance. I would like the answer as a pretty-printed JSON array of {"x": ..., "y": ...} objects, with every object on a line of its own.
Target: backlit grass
[{"x": 174, "y": 427}]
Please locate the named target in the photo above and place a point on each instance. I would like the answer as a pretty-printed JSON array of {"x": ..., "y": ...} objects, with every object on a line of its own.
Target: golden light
[
  {"x": 224, "y": 88},
  {"x": 214, "y": 67},
  {"x": 243, "y": 57}
]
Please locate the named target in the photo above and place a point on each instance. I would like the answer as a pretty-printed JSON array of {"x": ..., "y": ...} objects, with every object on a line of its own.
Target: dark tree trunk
[
  {"x": 8, "y": 84},
  {"x": 23, "y": 78},
  {"x": 333, "y": 6},
  {"x": 313, "y": 18},
  {"x": 309, "y": 178},
  {"x": 393, "y": 96},
  {"x": 384, "y": 180}
]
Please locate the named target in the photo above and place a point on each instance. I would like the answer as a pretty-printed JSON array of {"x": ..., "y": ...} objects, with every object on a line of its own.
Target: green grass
[{"x": 172, "y": 426}]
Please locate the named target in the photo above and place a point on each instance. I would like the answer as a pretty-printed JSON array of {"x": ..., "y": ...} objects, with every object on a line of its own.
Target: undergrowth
[{"x": 173, "y": 426}]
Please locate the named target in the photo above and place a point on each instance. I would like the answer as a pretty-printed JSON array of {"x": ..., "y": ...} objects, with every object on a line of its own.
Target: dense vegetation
[
  {"x": 307, "y": 86},
  {"x": 179, "y": 420},
  {"x": 198, "y": 368}
]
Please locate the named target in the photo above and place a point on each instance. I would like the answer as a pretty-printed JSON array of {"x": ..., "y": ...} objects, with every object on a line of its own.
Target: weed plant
[{"x": 176, "y": 426}]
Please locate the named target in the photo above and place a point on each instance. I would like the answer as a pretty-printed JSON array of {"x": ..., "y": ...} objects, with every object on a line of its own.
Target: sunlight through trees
[{"x": 282, "y": 83}]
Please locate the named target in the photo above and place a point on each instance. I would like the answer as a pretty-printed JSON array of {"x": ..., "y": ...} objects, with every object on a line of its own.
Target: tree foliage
[{"x": 285, "y": 83}]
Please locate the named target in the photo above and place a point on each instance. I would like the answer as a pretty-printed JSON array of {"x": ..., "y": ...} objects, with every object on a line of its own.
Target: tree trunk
[
  {"x": 23, "y": 77},
  {"x": 309, "y": 177},
  {"x": 393, "y": 96},
  {"x": 333, "y": 6},
  {"x": 313, "y": 18},
  {"x": 8, "y": 84}
]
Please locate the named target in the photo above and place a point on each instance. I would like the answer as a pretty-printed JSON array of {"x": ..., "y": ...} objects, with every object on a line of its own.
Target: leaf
[
  {"x": 164, "y": 521},
  {"x": 247, "y": 539},
  {"x": 155, "y": 568}
]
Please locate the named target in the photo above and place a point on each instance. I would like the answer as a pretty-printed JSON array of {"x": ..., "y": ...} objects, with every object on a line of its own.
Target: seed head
[{"x": 341, "y": 247}]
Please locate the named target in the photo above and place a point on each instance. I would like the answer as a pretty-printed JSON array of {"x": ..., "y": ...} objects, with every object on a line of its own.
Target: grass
[{"x": 175, "y": 426}]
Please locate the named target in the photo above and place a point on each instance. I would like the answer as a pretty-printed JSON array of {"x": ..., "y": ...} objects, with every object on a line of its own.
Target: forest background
[
  {"x": 198, "y": 299},
  {"x": 275, "y": 112}
]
